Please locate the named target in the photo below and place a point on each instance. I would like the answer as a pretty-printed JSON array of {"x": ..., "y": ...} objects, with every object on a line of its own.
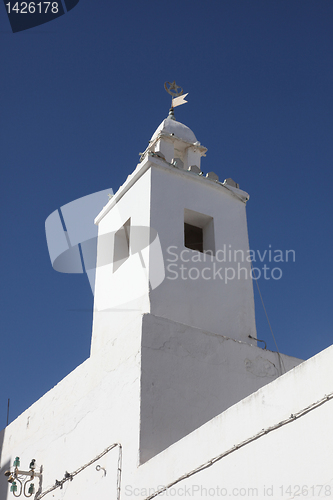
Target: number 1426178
[{"x": 33, "y": 7}]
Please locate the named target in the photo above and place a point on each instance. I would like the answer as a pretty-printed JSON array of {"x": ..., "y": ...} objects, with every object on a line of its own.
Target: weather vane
[{"x": 176, "y": 93}]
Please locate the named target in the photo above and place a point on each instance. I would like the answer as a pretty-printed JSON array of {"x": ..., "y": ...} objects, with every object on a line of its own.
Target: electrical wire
[
  {"x": 247, "y": 441},
  {"x": 209, "y": 463},
  {"x": 119, "y": 470},
  {"x": 70, "y": 476},
  {"x": 269, "y": 324}
]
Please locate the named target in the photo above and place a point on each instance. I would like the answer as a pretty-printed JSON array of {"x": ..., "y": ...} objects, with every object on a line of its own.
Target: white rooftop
[{"x": 179, "y": 130}]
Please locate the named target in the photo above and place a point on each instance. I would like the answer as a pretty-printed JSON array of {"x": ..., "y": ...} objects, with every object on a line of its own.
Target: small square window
[
  {"x": 199, "y": 232},
  {"x": 121, "y": 245}
]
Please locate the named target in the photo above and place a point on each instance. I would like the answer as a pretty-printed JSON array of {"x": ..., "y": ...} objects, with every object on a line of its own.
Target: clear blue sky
[{"x": 80, "y": 98}]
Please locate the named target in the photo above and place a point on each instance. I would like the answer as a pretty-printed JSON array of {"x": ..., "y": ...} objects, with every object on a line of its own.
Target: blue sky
[{"x": 81, "y": 97}]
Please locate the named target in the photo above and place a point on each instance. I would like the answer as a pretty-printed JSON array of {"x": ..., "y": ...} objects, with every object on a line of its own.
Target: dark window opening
[
  {"x": 193, "y": 237},
  {"x": 199, "y": 232}
]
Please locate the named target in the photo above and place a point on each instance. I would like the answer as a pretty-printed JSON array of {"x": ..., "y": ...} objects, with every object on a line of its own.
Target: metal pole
[{"x": 8, "y": 411}]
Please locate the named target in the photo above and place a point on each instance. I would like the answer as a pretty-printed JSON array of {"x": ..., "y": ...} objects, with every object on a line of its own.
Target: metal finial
[
  {"x": 171, "y": 114},
  {"x": 175, "y": 91},
  {"x": 173, "y": 87}
]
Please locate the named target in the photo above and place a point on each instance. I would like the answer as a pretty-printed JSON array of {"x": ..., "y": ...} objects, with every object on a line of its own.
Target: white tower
[
  {"x": 173, "y": 288},
  {"x": 201, "y": 226},
  {"x": 172, "y": 348}
]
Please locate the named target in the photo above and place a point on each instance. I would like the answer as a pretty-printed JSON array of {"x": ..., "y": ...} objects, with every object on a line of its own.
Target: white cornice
[{"x": 155, "y": 161}]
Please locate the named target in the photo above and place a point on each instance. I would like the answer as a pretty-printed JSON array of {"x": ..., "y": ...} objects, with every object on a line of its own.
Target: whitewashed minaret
[
  {"x": 173, "y": 349},
  {"x": 200, "y": 225},
  {"x": 174, "y": 290}
]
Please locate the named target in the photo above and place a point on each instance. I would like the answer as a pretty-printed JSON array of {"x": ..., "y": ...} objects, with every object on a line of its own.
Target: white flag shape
[{"x": 177, "y": 101}]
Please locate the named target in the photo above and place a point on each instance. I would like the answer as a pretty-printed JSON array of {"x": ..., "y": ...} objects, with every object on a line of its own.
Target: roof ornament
[{"x": 177, "y": 96}]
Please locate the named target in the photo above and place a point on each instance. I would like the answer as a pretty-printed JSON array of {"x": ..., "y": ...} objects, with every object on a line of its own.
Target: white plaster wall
[
  {"x": 93, "y": 407},
  {"x": 166, "y": 147},
  {"x": 189, "y": 376},
  {"x": 297, "y": 454},
  {"x": 192, "y": 157},
  {"x": 220, "y": 300},
  {"x": 222, "y": 307},
  {"x": 122, "y": 295},
  {"x": 97, "y": 405}
]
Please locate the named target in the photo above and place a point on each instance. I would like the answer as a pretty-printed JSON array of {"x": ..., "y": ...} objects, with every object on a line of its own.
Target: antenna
[{"x": 8, "y": 411}]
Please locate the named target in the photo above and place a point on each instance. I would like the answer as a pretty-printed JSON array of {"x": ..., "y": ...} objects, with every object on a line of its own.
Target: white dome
[{"x": 177, "y": 129}]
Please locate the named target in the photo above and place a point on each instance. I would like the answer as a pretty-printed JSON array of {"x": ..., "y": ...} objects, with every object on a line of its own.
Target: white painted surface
[
  {"x": 74, "y": 422},
  {"x": 166, "y": 147},
  {"x": 210, "y": 293},
  {"x": 297, "y": 454},
  {"x": 212, "y": 301},
  {"x": 179, "y": 130},
  {"x": 176, "y": 140},
  {"x": 121, "y": 295},
  {"x": 189, "y": 376},
  {"x": 166, "y": 359},
  {"x": 94, "y": 407}
]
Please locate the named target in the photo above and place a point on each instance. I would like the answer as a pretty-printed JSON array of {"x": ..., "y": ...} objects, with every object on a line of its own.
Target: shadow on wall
[{"x": 3, "y": 467}]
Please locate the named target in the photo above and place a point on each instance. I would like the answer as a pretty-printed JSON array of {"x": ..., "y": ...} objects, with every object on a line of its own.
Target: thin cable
[
  {"x": 269, "y": 324},
  {"x": 247, "y": 441},
  {"x": 120, "y": 458},
  {"x": 70, "y": 476}
]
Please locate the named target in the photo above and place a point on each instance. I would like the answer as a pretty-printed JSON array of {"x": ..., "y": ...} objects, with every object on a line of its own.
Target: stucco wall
[
  {"x": 94, "y": 406},
  {"x": 189, "y": 376},
  {"x": 209, "y": 301},
  {"x": 121, "y": 295},
  {"x": 273, "y": 449},
  {"x": 99, "y": 404}
]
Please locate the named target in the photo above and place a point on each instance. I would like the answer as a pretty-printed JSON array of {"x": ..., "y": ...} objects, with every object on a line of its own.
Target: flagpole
[{"x": 176, "y": 92}]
